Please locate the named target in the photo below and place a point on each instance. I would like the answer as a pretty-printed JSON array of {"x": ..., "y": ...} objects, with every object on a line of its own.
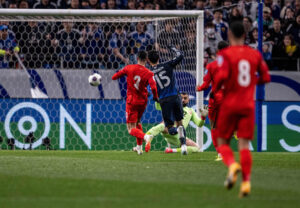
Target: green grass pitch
[{"x": 41, "y": 179}]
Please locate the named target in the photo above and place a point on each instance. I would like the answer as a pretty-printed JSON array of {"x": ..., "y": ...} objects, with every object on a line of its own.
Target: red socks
[
  {"x": 139, "y": 126},
  {"x": 246, "y": 163},
  {"x": 214, "y": 138},
  {"x": 227, "y": 154},
  {"x": 139, "y": 134}
]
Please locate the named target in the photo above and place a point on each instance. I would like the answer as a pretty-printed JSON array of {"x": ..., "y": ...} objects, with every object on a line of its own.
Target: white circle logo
[{"x": 29, "y": 119}]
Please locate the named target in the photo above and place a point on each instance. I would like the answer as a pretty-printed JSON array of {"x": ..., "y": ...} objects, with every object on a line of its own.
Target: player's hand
[{"x": 204, "y": 111}]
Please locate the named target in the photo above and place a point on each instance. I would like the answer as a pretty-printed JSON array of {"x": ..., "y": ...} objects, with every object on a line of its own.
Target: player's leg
[
  {"x": 245, "y": 134},
  {"x": 192, "y": 147},
  {"x": 178, "y": 114},
  {"x": 133, "y": 119},
  {"x": 226, "y": 125},
  {"x": 152, "y": 133}
]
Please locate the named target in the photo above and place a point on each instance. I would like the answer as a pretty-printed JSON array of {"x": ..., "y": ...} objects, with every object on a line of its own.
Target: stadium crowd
[{"x": 73, "y": 45}]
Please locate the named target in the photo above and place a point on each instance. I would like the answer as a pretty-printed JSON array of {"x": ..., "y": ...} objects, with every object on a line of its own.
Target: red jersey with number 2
[
  {"x": 241, "y": 68},
  {"x": 138, "y": 78}
]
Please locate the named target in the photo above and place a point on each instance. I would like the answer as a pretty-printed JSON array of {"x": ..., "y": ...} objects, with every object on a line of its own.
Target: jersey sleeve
[
  {"x": 195, "y": 118},
  {"x": 178, "y": 58},
  {"x": 263, "y": 72},
  {"x": 206, "y": 80},
  {"x": 153, "y": 87},
  {"x": 222, "y": 72},
  {"x": 120, "y": 73}
]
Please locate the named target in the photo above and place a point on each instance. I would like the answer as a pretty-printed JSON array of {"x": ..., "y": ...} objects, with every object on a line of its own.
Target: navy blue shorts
[{"x": 172, "y": 109}]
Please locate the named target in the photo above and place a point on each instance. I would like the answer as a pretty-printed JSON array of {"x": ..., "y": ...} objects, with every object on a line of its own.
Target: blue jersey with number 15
[{"x": 164, "y": 76}]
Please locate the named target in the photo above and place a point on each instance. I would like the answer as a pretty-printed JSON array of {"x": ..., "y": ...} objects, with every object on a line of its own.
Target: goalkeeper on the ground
[{"x": 189, "y": 115}]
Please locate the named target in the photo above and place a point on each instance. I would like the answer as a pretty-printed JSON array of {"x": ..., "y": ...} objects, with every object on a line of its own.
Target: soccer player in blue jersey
[{"x": 169, "y": 99}]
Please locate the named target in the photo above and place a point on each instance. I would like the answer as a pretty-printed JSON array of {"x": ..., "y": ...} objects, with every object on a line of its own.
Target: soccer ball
[{"x": 95, "y": 79}]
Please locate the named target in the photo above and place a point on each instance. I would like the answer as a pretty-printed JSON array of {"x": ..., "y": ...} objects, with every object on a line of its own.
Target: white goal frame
[{"x": 138, "y": 13}]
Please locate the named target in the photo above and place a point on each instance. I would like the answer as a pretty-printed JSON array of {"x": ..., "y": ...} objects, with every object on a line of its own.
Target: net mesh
[{"x": 46, "y": 61}]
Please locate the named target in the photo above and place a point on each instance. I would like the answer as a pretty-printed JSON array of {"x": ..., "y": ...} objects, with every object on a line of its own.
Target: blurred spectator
[
  {"x": 275, "y": 8},
  {"x": 275, "y": 34},
  {"x": 74, "y": 4},
  {"x": 212, "y": 4},
  {"x": 111, "y": 4},
  {"x": 297, "y": 6},
  {"x": 167, "y": 37},
  {"x": 254, "y": 38},
  {"x": 149, "y": 6},
  {"x": 8, "y": 46},
  {"x": 267, "y": 55},
  {"x": 267, "y": 18},
  {"x": 69, "y": 46},
  {"x": 295, "y": 29},
  {"x": 220, "y": 26},
  {"x": 249, "y": 8},
  {"x": 189, "y": 49},
  {"x": 12, "y": 4},
  {"x": 94, "y": 4},
  {"x": 63, "y": 4},
  {"x": 286, "y": 54},
  {"x": 44, "y": 4},
  {"x": 91, "y": 49},
  {"x": 200, "y": 4},
  {"x": 4, "y": 3},
  {"x": 119, "y": 45},
  {"x": 85, "y": 4},
  {"x": 235, "y": 15},
  {"x": 23, "y": 4},
  {"x": 139, "y": 40},
  {"x": 247, "y": 22},
  {"x": 211, "y": 40},
  {"x": 288, "y": 19},
  {"x": 227, "y": 9},
  {"x": 180, "y": 5},
  {"x": 131, "y": 4}
]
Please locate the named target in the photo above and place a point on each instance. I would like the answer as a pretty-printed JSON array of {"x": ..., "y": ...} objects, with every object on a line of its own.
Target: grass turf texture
[{"x": 123, "y": 179}]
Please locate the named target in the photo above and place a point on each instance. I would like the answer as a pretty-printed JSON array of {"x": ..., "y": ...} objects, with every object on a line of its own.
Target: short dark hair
[
  {"x": 142, "y": 55},
  {"x": 237, "y": 29},
  {"x": 222, "y": 44},
  {"x": 153, "y": 56},
  {"x": 184, "y": 93}
]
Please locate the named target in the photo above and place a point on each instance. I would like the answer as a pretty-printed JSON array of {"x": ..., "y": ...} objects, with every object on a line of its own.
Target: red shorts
[
  {"x": 134, "y": 113},
  {"x": 232, "y": 119},
  {"x": 213, "y": 108}
]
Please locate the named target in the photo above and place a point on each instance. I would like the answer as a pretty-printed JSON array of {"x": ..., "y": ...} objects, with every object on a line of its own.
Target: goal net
[{"x": 48, "y": 55}]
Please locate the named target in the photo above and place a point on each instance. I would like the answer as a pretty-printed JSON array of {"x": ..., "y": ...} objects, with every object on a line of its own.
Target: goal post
[{"x": 59, "y": 49}]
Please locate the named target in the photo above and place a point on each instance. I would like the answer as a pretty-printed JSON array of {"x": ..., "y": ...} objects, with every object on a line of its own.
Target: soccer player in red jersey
[
  {"x": 214, "y": 102},
  {"x": 241, "y": 68},
  {"x": 138, "y": 78}
]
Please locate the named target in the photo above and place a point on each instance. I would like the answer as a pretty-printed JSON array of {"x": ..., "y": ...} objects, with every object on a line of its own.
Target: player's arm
[
  {"x": 178, "y": 58},
  {"x": 198, "y": 121},
  {"x": 263, "y": 72},
  {"x": 206, "y": 82},
  {"x": 153, "y": 87},
  {"x": 155, "y": 130},
  {"x": 119, "y": 74}
]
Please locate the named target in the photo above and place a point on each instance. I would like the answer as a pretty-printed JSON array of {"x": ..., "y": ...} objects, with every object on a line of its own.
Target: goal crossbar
[{"x": 89, "y": 12}]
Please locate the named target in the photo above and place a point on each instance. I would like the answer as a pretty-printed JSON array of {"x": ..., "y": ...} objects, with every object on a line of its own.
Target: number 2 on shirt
[{"x": 137, "y": 80}]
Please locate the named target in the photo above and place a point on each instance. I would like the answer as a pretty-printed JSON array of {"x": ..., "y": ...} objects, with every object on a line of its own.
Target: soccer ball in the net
[{"x": 95, "y": 79}]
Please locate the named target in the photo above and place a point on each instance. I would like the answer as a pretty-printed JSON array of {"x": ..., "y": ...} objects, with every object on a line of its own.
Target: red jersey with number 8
[
  {"x": 239, "y": 70},
  {"x": 138, "y": 78}
]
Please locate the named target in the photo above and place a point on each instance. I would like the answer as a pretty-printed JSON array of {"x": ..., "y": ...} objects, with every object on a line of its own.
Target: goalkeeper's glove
[{"x": 204, "y": 112}]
